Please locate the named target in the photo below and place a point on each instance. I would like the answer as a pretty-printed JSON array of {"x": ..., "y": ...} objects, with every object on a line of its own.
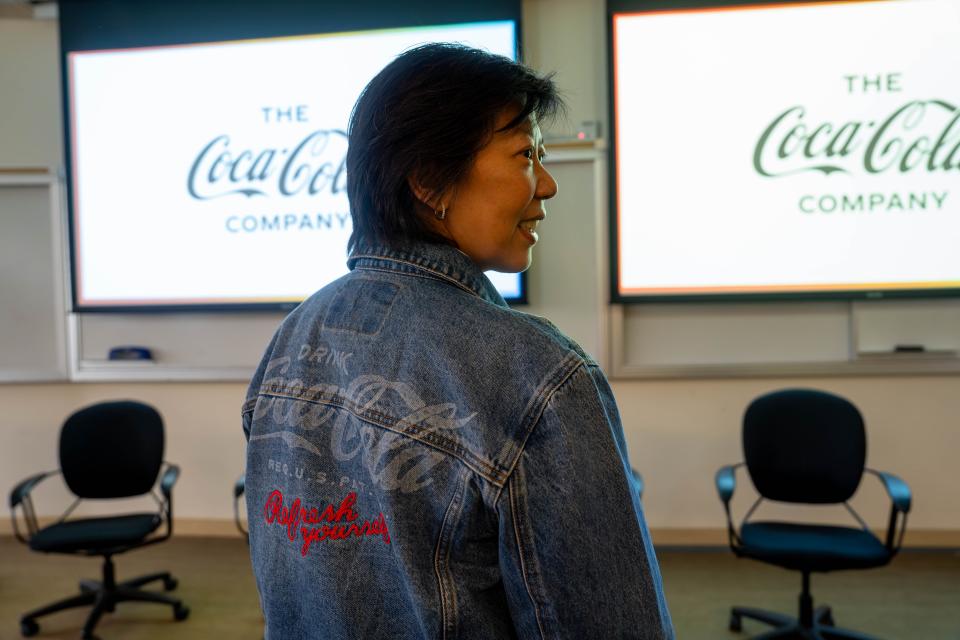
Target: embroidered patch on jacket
[{"x": 331, "y": 523}]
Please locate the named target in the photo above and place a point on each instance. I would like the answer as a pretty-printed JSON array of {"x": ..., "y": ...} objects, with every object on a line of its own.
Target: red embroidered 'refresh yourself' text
[{"x": 309, "y": 523}]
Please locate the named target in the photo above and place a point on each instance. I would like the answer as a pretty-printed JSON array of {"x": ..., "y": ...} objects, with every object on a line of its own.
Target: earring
[{"x": 440, "y": 215}]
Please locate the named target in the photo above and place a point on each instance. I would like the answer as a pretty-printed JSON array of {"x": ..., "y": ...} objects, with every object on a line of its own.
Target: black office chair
[
  {"x": 108, "y": 450},
  {"x": 806, "y": 446}
]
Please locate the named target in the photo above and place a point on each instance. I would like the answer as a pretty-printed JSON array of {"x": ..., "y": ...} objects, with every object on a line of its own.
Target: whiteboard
[
  {"x": 785, "y": 339},
  {"x": 881, "y": 326},
  {"x": 185, "y": 346}
]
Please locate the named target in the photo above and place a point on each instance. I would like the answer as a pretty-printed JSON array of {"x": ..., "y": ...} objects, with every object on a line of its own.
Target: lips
[
  {"x": 530, "y": 224},
  {"x": 528, "y": 228}
]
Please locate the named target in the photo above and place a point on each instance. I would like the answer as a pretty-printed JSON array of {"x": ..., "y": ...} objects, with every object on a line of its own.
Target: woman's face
[{"x": 493, "y": 214}]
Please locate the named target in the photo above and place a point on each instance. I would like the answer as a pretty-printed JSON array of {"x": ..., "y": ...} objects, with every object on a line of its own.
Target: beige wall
[
  {"x": 30, "y": 123},
  {"x": 203, "y": 436},
  {"x": 568, "y": 37},
  {"x": 679, "y": 432}
]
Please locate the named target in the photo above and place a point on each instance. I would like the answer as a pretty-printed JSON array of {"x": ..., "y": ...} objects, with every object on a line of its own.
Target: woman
[{"x": 423, "y": 461}]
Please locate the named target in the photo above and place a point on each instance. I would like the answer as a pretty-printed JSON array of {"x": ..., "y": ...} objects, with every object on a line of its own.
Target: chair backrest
[
  {"x": 112, "y": 450},
  {"x": 806, "y": 446}
]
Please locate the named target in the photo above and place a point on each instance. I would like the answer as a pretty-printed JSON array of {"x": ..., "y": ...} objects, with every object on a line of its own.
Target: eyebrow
[{"x": 525, "y": 129}]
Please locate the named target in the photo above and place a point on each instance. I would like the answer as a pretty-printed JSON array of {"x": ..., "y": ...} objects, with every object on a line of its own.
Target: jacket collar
[{"x": 435, "y": 260}]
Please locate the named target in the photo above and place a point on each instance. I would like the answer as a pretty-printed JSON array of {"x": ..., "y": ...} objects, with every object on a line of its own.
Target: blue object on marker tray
[{"x": 130, "y": 353}]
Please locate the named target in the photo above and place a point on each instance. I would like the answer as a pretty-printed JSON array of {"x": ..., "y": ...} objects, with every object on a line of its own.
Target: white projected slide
[
  {"x": 808, "y": 148},
  {"x": 214, "y": 173}
]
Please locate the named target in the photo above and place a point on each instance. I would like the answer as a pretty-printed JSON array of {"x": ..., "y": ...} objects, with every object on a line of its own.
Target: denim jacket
[{"x": 425, "y": 462}]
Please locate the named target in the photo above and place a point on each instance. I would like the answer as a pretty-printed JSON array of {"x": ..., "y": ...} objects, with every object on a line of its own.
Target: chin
[{"x": 515, "y": 264}]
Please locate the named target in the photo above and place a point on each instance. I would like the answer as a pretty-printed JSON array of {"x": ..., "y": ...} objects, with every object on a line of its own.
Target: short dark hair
[{"x": 426, "y": 115}]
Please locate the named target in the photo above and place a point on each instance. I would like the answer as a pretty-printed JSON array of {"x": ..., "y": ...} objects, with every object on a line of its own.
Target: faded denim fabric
[{"x": 425, "y": 462}]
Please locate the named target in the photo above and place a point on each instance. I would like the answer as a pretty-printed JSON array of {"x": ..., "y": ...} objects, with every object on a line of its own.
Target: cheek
[{"x": 517, "y": 192}]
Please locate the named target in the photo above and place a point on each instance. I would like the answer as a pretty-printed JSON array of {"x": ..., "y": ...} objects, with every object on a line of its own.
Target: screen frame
[
  {"x": 615, "y": 7},
  {"x": 95, "y": 25}
]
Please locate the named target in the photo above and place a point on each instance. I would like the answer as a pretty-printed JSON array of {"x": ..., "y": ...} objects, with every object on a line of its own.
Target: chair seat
[
  {"x": 812, "y": 547},
  {"x": 94, "y": 534}
]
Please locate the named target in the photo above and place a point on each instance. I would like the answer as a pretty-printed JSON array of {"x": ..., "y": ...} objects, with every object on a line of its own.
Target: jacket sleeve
[
  {"x": 253, "y": 389},
  {"x": 575, "y": 552}
]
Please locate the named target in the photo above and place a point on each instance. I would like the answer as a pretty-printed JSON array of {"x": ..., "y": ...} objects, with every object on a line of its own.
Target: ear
[
  {"x": 431, "y": 199},
  {"x": 426, "y": 196}
]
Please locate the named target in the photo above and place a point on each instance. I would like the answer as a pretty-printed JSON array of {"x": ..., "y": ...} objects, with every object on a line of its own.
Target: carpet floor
[{"x": 917, "y": 597}]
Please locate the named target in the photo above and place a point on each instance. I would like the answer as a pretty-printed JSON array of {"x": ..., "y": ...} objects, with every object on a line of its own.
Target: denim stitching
[
  {"x": 384, "y": 310},
  {"x": 482, "y": 467},
  {"x": 523, "y": 565},
  {"x": 557, "y": 378},
  {"x": 437, "y": 274},
  {"x": 448, "y": 610},
  {"x": 409, "y": 274},
  {"x": 453, "y": 585}
]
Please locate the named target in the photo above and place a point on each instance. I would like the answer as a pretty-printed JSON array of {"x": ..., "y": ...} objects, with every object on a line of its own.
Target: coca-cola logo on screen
[
  {"x": 871, "y": 162},
  {"x": 296, "y": 183},
  {"x": 316, "y": 164},
  {"x": 921, "y": 135}
]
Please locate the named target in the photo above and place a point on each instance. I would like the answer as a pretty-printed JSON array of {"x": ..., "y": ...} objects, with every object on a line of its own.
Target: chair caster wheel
[
  {"x": 824, "y": 617},
  {"x": 29, "y": 627},
  {"x": 736, "y": 623},
  {"x": 89, "y": 636},
  {"x": 180, "y": 612},
  {"x": 169, "y": 584}
]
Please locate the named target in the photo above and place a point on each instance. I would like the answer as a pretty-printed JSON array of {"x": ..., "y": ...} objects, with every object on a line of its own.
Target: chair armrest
[
  {"x": 238, "y": 490},
  {"x": 20, "y": 497},
  {"x": 22, "y": 491},
  {"x": 900, "y": 498},
  {"x": 240, "y": 486},
  {"x": 726, "y": 481},
  {"x": 638, "y": 480},
  {"x": 896, "y": 488},
  {"x": 168, "y": 479}
]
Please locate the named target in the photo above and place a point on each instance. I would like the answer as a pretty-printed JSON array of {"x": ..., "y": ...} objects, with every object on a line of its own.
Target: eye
[{"x": 529, "y": 153}]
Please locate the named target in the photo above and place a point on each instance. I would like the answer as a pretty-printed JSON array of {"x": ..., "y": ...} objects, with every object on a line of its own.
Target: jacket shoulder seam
[{"x": 561, "y": 373}]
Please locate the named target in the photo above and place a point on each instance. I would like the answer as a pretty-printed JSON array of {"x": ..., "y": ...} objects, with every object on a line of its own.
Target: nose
[{"x": 546, "y": 185}]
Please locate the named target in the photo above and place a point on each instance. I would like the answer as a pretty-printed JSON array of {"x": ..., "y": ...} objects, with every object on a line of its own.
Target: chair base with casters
[
  {"x": 104, "y": 595},
  {"x": 810, "y": 624}
]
